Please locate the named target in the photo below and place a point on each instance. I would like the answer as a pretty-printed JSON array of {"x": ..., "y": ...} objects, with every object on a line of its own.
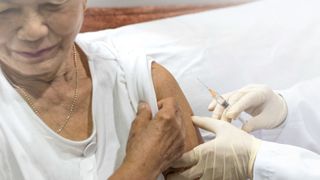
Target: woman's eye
[
  {"x": 51, "y": 7},
  {"x": 8, "y": 11}
]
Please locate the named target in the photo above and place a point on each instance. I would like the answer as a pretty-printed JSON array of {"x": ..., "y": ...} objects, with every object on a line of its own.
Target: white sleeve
[
  {"x": 302, "y": 125},
  {"x": 136, "y": 66},
  {"x": 5, "y": 169},
  {"x": 279, "y": 162}
]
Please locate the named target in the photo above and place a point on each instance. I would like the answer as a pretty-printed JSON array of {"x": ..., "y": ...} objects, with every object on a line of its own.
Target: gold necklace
[{"x": 27, "y": 97}]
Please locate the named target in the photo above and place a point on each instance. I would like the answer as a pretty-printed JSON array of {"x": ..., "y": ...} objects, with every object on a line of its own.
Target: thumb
[
  {"x": 188, "y": 159},
  {"x": 253, "y": 124},
  {"x": 207, "y": 123},
  {"x": 212, "y": 105}
]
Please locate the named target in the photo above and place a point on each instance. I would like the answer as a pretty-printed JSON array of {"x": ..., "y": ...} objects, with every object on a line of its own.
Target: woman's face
[{"x": 36, "y": 36}]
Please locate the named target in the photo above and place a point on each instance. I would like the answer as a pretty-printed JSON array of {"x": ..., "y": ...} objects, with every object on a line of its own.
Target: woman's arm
[
  {"x": 168, "y": 94},
  {"x": 166, "y": 86}
]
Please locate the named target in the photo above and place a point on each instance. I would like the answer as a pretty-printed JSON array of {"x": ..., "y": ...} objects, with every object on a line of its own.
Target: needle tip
[
  {"x": 203, "y": 84},
  {"x": 212, "y": 92}
]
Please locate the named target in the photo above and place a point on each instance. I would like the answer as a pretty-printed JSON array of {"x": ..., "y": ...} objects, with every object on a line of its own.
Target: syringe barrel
[{"x": 222, "y": 101}]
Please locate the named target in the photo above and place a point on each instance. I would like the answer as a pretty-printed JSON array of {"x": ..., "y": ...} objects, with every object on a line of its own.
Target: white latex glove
[
  {"x": 268, "y": 109},
  {"x": 230, "y": 156}
]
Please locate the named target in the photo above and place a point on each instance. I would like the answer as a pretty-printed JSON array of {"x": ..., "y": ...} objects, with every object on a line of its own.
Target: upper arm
[{"x": 162, "y": 78}]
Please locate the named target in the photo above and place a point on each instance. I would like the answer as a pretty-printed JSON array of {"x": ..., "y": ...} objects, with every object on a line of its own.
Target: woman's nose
[{"x": 33, "y": 27}]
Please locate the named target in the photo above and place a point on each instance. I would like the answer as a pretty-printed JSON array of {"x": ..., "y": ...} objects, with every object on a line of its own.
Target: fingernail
[
  {"x": 193, "y": 117},
  {"x": 141, "y": 105},
  {"x": 211, "y": 106}
]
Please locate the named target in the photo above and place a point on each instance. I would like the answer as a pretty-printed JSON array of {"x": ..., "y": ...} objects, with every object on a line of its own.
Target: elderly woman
[{"x": 67, "y": 101}]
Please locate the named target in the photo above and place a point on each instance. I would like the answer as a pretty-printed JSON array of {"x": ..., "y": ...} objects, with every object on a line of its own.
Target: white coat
[{"x": 295, "y": 151}]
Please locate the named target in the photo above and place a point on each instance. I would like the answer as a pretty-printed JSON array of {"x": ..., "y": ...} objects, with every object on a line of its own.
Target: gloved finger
[
  {"x": 233, "y": 98},
  {"x": 224, "y": 117},
  {"x": 253, "y": 124},
  {"x": 192, "y": 173},
  {"x": 212, "y": 104},
  {"x": 207, "y": 123},
  {"x": 247, "y": 101},
  {"x": 218, "y": 111},
  {"x": 188, "y": 159}
]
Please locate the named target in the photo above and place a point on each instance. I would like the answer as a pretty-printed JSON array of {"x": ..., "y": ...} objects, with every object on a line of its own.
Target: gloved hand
[
  {"x": 230, "y": 156},
  {"x": 268, "y": 109}
]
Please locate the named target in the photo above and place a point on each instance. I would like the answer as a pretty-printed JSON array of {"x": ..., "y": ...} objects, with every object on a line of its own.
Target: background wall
[{"x": 127, "y": 3}]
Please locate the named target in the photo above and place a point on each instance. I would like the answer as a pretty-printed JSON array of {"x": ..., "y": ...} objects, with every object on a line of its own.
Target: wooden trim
[{"x": 104, "y": 18}]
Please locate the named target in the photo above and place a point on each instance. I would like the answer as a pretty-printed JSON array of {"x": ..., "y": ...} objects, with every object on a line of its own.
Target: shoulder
[
  {"x": 163, "y": 78},
  {"x": 166, "y": 86},
  {"x": 101, "y": 45},
  {"x": 97, "y": 45}
]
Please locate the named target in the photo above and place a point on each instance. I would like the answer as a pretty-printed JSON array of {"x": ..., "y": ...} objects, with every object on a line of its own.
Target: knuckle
[
  {"x": 168, "y": 116},
  {"x": 172, "y": 102},
  {"x": 143, "y": 109}
]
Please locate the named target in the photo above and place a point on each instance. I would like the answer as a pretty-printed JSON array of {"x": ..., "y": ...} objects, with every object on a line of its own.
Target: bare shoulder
[
  {"x": 166, "y": 86},
  {"x": 163, "y": 78}
]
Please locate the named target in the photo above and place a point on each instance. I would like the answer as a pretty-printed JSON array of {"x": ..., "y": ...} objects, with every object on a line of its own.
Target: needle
[
  {"x": 212, "y": 92},
  {"x": 220, "y": 100}
]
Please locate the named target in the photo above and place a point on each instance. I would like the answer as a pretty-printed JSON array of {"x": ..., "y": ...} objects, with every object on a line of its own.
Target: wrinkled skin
[{"x": 154, "y": 144}]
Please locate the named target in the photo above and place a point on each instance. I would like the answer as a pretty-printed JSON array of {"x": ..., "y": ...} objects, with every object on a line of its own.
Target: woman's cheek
[
  {"x": 4, "y": 34},
  {"x": 8, "y": 28},
  {"x": 66, "y": 26}
]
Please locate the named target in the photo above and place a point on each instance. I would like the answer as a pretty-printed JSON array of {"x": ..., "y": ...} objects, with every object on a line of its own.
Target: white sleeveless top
[{"x": 30, "y": 150}]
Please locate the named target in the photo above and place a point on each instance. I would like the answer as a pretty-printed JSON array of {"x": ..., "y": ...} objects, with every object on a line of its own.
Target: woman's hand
[
  {"x": 153, "y": 144},
  {"x": 268, "y": 109}
]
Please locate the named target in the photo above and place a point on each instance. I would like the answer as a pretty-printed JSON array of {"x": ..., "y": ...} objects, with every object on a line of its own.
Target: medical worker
[{"x": 289, "y": 118}]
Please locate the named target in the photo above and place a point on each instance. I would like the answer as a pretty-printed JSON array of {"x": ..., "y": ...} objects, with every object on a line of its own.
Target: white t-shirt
[{"x": 30, "y": 150}]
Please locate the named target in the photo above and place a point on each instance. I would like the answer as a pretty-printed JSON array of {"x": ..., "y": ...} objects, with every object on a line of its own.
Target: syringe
[{"x": 220, "y": 100}]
